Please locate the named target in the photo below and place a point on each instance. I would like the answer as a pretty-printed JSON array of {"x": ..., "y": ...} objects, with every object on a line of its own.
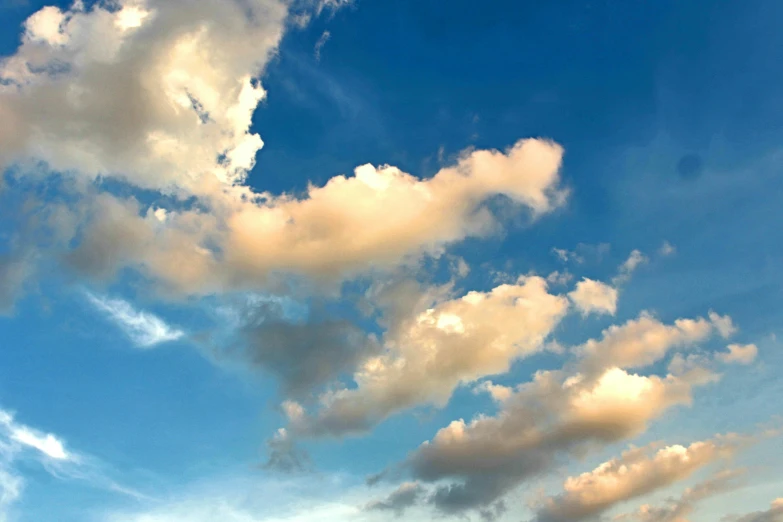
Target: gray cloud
[
  {"x": 304, "y": 355},
  {"x": 405, "y": 496}
]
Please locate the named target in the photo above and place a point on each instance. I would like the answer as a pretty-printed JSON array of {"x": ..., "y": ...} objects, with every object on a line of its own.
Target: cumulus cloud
[
  {"x": 637, "y": 472},
  {"x": 67, "y": 89},
  {"x": 428, "y": 354},
  {"x": 640, "y": 342},
  {"x": 739, "y": 354},
  {"x": 143, "y": 328},
  {"x": 677, "y": 509},
  {"x": 76, "y": 72},
  {"x": 594, "y": 297},
  {"x": 591, "y": 402}
]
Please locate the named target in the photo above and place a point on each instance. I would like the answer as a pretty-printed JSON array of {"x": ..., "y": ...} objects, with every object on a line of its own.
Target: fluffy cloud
[
  {"x": 143, "y": 328},
  {"x": 72, "y": 81},
  {"x": 591, "y": 402},
  {"x": 190, "y": 76},
  {"x": 635, "y": 473},
  {"x": 739, "y": 354},
  {"x": 430, "y": 353},
  {"x": 593, "y": 296},
  {"x": 640, "y": 342}
]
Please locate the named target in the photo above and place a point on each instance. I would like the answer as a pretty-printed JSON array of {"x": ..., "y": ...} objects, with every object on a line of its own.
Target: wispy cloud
[
  {"x": 143, "y": 328},
  {"x": 319, "y": 45},
  {"x": 19, "y": 442}
]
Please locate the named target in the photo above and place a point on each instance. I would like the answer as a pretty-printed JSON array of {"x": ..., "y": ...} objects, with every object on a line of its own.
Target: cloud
[
  {"x": 24, "y": 437},
  {"x": 591, "y": 402},
  {"x": 429, "y": 353},
  {"x": 676, "y": 509},
  {"x": 637, "y": 472},
  {"x": 582, "y": 253},
  {"x": 300, "y": 498},
  {"x": 10, "y": 491},
  {"x": 144, "y": 329},
  {"x": 284, "y": 456},
  {"x": 667, "y": 249},
  {"x": 319, "y": 45},
  {"x": 629, "y": 266},
  {"x": 405, "y": 496},
  {"x": 640, "y": 342},
  {"x": 304, "y": 353},
  {"x": 773, "y": 514},
  {"x": 22, "y": 443},
  {"x": 75, "y": 67},
  {"x": 594, "y": 296},
  {"x": 332, "y": 5},
  {"x": 739, "y": 354},
  {"x": 188, "y": 136},
  {"x": 724, "y": 324},
  {"x": 14, "y": 271}
]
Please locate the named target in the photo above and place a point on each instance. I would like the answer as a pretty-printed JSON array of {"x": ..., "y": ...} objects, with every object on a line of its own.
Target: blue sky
[{"x": 357, "y": 260}]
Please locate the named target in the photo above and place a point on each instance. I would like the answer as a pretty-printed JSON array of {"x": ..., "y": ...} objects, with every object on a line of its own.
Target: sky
[{"x": 370, "y": 260}]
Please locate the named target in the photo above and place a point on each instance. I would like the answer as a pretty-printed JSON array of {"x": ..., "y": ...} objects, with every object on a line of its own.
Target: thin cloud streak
[{"x": 143, "y": 328}]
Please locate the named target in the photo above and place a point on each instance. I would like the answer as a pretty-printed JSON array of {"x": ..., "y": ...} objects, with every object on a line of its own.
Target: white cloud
[
  {"x": 676, "y": 509},
  {"x": 189, "y": 135},
  {"x": 22, "y": 436},
  {"x": 319, "y": 45},
  {"x": 640, "y": 342},
  {"x": 629, "y": 266},
  {"x": 22, "y": 443},
  {"x": 667, "y": 249},
  {"x": 47, "y": 444},
  {"x": 739, "y": 354},
  {"x": 10, "y": 491},
  {"x": 724, "y": 324},
  {"x": 75, "y": 67},
  {"x": 592, "y": 402},
  {"x": 429, "y": 353},
  {"x": 634, "y": 474},
  {"x": 143, "y": 328},
  {"x": 594, "y": 296},
  {"x": 18, "y": 441}
]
